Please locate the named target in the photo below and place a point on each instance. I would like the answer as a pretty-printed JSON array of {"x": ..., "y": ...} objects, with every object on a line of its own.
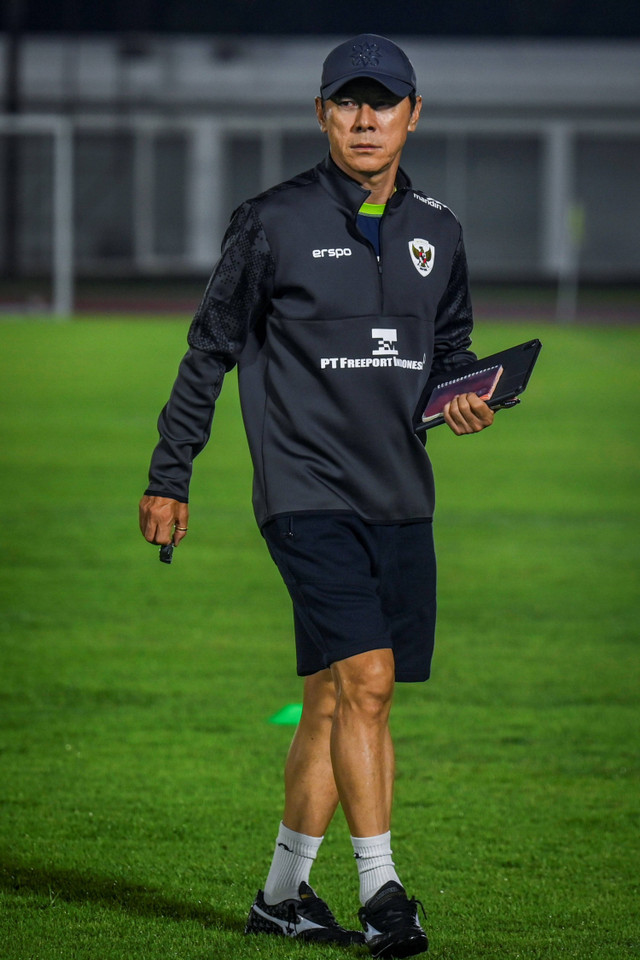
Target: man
[{"x": 336, "y": 294}]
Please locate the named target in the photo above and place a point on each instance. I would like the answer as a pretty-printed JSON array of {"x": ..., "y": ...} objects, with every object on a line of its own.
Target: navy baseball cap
[{"x": 368, "y": 55}]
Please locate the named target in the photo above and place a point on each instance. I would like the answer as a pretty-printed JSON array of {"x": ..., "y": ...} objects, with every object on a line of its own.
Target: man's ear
[
  {"x": 320, "y": 114},
  {"x": 415, "y": 115}
]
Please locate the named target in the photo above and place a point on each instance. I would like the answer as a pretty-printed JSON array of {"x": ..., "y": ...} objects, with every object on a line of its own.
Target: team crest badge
[{"x": 423, "y": 255}]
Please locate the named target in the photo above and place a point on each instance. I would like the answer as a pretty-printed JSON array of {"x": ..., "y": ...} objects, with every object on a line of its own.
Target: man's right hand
[{"x": 163, "y": 520}]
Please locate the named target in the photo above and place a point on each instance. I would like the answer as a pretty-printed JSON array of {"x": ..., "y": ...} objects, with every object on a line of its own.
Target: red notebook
[{"x": 482, "y": 382}]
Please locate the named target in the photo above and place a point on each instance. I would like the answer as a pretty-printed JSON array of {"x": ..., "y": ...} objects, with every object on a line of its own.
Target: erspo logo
[{"x": 332, "y": 252}]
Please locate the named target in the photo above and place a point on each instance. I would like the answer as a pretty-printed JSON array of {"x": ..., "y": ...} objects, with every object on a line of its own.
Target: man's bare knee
[
  {"x": 319, "y": 699},
  {"x": 364, "y": 684}
]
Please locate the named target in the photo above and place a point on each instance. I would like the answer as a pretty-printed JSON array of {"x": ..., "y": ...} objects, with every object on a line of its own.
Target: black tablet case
[{"x": 518, "y": 363}]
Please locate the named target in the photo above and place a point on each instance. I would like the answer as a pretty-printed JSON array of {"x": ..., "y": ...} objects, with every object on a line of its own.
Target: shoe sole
[{"x": 400, "y": 950}]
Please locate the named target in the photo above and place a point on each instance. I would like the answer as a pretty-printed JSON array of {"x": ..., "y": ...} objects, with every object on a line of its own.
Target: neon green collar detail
[{"x": 372, "y": 209}]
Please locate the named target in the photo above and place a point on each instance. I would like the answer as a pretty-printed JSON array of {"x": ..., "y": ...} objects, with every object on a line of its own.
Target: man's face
[{"x": 367, "y": 126}]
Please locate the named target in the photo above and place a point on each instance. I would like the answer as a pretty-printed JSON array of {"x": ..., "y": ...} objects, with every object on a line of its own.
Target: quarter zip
[
  {"x": 346, "y": 192},
  {"x": 378, "y": 259},
  {"x": 399, "y": 192}
]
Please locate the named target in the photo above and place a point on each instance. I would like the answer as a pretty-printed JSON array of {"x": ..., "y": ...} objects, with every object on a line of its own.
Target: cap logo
[{"x": 365, "y": 55}]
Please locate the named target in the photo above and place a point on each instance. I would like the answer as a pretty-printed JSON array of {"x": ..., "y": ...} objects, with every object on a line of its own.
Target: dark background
[{"x": 466, "y": 18}]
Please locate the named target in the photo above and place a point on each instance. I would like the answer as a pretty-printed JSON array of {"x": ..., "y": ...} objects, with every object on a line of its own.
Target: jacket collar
[{"x": 348, "y": 193}]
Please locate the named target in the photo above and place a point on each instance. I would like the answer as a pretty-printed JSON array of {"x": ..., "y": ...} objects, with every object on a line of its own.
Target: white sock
[
  {"x": 291, "y": 864},
  {"x": 375, "y": 866}
]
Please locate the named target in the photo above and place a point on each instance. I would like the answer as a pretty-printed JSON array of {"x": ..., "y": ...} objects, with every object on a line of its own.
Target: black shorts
[{"x": 358, "y": 586}]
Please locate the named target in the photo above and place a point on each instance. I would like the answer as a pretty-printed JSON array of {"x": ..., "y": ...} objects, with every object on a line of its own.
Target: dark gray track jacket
[{"x": 333, "y": 348}]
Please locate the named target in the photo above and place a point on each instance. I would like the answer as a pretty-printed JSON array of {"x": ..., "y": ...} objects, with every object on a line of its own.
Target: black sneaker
[
  {"x": 391, "y": 925},
  {"x": 307, "y": 918}
]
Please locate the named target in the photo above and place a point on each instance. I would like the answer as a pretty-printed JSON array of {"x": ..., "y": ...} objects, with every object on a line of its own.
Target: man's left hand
[{"x": 467, "y": 414}]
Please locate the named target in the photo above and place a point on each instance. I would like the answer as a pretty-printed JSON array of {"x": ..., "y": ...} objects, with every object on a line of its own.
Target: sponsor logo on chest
[{"x": 384, "y": 353}]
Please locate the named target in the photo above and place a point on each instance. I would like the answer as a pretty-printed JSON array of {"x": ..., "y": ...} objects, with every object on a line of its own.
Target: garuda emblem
[{"x": 423, "y": 255}]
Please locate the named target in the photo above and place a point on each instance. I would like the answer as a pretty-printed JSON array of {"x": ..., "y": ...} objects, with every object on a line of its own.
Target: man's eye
[{"x": 349, "y": 104}]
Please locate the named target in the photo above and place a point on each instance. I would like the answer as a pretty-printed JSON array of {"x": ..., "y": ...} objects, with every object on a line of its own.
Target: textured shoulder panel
[
  {"x": 238, "y": 289},
  {"x": 308, "y": 178}
]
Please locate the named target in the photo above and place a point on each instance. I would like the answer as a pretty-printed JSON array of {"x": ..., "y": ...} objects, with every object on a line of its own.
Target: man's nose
[{"x": 365, "y": 118}]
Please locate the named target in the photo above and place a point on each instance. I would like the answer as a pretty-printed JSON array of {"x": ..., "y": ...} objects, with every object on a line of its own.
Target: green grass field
[{"x": 140, "y": 779}]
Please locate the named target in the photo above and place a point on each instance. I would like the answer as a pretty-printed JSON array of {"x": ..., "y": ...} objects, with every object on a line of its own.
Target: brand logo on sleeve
[
  {"x": 430, "y": 202},
  {"x": 423, "y": 255}
]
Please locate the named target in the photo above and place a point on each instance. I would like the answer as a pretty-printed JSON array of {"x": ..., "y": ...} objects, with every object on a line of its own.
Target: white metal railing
[
  {"x": 61, "y": 130},
  {"x": 206, "y": 142}
]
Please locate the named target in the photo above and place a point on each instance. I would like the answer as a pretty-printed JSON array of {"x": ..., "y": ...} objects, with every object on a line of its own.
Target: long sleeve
[
  {"x": 235, "y": 299},
  {"x": 454, "y": 319},
  {"x": 184, "y": 424}
]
